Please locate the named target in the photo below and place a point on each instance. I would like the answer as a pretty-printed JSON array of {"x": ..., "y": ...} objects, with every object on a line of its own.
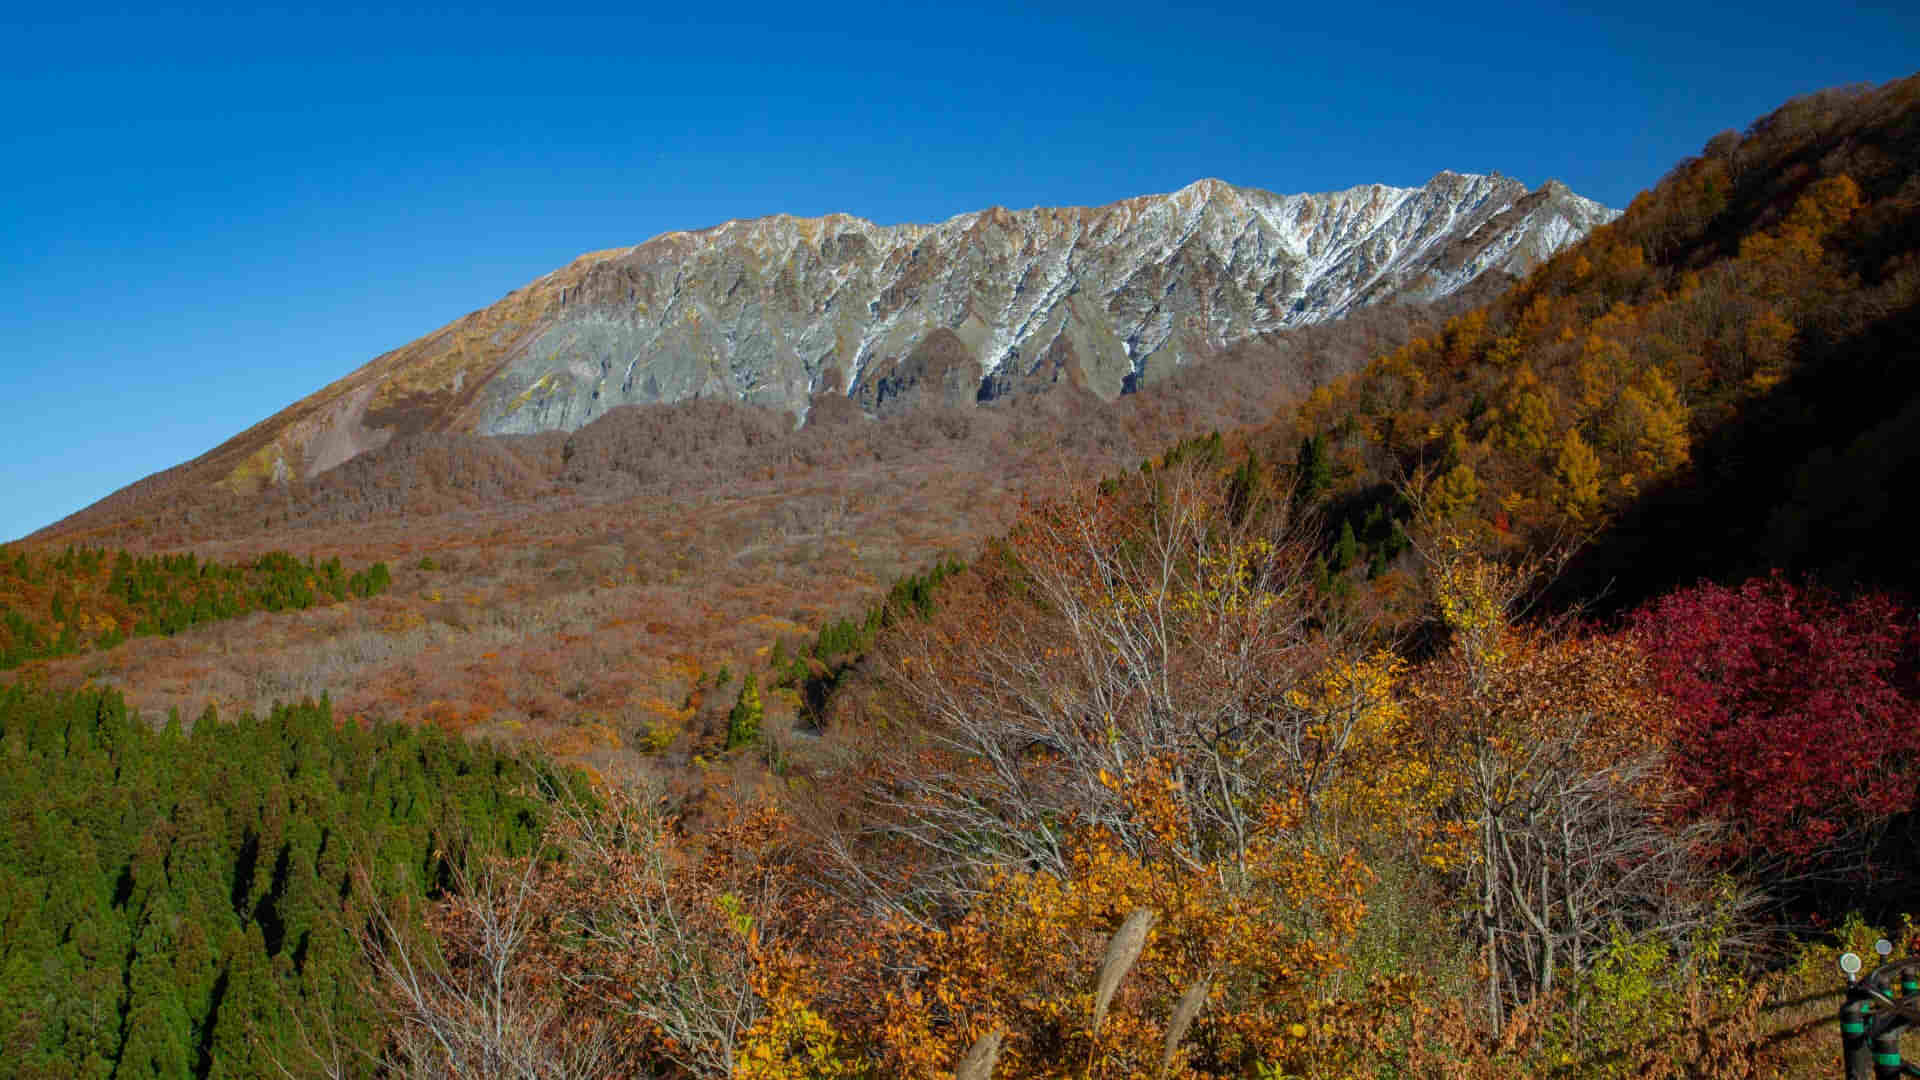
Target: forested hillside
[
  {"x": 1232, "y": 766},
  {"x": 1720, "y": 383},
  {"x": 1540, "y": 699},
  {"x": 195, "y": 903},
  {"x": 90, "y": 598},
  {"x": 1138, "y": 793}
]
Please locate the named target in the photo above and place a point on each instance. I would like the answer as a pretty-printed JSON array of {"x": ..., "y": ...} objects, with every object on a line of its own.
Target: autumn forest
[{"x": 1526, "y": 684}]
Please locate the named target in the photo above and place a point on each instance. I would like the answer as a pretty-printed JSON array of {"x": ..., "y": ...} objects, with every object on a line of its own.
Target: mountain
[
  {"x": 776, "y": 310},
  {"x": 733, "y": 623},
  {"x": 1722, "y": 383}
]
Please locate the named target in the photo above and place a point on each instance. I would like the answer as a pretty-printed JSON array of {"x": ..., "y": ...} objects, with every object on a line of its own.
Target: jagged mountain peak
[{"x": 776, "y": 309}]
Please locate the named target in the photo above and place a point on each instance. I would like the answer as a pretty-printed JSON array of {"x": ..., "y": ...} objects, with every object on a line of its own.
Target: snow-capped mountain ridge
[{"x": 776, "y": 310}]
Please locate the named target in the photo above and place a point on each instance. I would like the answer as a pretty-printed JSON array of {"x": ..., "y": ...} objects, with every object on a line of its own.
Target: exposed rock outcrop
[{"x": 778, "y": 310}]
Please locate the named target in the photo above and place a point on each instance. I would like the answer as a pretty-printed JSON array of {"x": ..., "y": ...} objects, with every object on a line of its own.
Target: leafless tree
[
  {"x": 1153, "y": 633},
  {"x": 1553, "y": 748},
  {"x": 1572, "y": 853},
  {"x": 666, "y": 941},
  {"x": 478, "y": 1016}
]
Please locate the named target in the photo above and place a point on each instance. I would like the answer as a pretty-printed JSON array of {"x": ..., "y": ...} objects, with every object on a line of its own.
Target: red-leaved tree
[{"x": 1794, "y": 718}]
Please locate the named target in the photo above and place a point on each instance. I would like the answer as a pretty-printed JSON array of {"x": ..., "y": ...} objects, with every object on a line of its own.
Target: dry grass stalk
[
  {"x": 1122, "y": 951},
  {"x": 981, "y": 1057},
  {"x": 1189, "y": 1007}
]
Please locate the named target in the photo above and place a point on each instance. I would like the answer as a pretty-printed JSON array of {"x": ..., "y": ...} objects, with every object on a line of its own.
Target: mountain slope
[
  {"x": 1720, "y": 383},
  {"x": 775, "y": 310}
]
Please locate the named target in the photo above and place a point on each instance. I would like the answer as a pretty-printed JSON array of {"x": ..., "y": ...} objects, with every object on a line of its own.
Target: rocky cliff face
[{"x": 775, "y": 310}]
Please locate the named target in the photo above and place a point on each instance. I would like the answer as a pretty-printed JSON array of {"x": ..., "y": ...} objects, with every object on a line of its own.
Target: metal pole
[
  {"x": 1886, "y": 1023},
  {"x": 1856, "y": 1055},
  {"x": 1886, "y": 1048}
]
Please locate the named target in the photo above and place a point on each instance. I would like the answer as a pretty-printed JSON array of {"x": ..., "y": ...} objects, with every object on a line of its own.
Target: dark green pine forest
[{"x": 192, "y": 901}]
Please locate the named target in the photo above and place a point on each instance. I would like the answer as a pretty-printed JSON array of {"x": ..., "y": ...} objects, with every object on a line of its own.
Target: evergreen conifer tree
[
  {"x": 1313, "y": 471},
  {"x": 1346, "y": 551},
  {"x": 743, "y": 723}
]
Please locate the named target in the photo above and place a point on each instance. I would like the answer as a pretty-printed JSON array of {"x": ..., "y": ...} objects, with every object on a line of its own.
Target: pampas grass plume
[
  {"x": 980, "y": 1059},
  {"x": 1122, "y": 951},
  {"x": 1183, "y": 1014}
]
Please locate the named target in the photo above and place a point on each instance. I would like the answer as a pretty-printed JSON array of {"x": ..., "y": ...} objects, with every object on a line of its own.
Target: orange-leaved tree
[
  {"x": 1254, "y": 942},
  {"x": 1139, "y": 702},
  {"x": 1553, "y": 747}
]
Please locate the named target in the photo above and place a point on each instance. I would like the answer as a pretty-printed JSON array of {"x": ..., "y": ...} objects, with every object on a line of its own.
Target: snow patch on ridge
[{"x": 765, "y": 305}]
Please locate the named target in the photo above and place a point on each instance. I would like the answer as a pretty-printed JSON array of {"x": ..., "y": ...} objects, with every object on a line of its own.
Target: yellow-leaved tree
[
  {"x": 1141, "y": 703},
  {"x": 1577, "y": 477}
]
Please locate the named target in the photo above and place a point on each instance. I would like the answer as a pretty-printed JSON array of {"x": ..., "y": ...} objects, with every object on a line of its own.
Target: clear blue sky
[{"x": 206, "y": 217}]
